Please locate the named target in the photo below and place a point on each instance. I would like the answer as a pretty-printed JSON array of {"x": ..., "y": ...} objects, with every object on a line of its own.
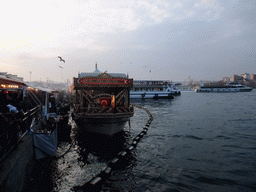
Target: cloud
[
  {"x": 4, "y": 66},
  {"x": 37, "y": 26},
  {"x": 179, "y": 35}
]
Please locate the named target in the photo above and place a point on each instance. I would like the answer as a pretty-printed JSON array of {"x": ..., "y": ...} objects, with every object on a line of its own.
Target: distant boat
[
  {"x": 223, "y": 88},
  {"x": 153, "y": 89},
  {"x": 102, "y": 102}
]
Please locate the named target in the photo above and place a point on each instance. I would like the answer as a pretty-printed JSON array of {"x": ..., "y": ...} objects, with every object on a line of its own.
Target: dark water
[{"x": 196, "y": 142}]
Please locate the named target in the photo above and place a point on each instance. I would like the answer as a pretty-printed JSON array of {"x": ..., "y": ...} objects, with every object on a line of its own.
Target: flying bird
[
  {"x": 61, "y": 67},
  {"x": 61, "y": 59}
]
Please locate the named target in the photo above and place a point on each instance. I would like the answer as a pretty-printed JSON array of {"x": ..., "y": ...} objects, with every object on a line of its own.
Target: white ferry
[
  {"x": 153, "y": 89},
  {"x": 224, "y": 88}
]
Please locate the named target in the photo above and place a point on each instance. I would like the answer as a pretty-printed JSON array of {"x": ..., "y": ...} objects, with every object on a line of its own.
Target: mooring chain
[{"x": 97, "y": 180}]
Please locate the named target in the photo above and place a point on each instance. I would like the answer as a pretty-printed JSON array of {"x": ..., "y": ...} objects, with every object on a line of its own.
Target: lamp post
[{"x": 30, "y": 75}]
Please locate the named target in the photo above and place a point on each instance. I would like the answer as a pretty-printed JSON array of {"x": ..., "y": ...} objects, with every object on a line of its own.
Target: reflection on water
[
  {"x": 87, "y": 156},
  {"x": 197, "y": 142},
  {"x": 102, "y": 146}
]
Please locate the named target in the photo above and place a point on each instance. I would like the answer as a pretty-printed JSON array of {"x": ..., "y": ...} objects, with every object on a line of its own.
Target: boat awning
[
  {"x": 4, "y": 79},
  {"x": 44, "y": 89}
]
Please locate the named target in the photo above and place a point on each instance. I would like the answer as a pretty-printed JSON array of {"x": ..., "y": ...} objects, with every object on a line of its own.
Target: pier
[
  {"x": 16, "y": 168},
  {"x": 17, "y": 154},
  {"x": 27, "y": 112}
]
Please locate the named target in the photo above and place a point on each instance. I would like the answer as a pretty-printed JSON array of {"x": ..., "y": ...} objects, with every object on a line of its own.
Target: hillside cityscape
[
  {"x": 243, "y": 79},
  {"x": 189, "y": 84}
]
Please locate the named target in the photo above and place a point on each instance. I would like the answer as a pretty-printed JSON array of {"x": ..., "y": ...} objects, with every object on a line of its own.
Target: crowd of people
[
  {"x": 12, "y": 109},
  {"x": 14, "y": 103}
]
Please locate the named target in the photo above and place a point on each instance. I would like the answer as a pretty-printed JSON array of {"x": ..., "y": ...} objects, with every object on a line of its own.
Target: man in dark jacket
[{"x": 25, "y": 104}]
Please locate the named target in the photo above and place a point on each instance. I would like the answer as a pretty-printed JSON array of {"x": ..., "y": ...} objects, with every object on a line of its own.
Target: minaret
[{"x": 96, "y": 69}]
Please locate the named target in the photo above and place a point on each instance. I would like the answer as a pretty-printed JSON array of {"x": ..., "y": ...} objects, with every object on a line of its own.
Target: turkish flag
[{"x": 104, "y": 102}]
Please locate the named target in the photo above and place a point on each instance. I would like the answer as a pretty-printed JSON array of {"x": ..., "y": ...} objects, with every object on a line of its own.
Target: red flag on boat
[{"x": 104, "y": 102}]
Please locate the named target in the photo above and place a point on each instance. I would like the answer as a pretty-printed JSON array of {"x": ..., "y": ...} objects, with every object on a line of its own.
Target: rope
[{"x": 71, "y": 145}]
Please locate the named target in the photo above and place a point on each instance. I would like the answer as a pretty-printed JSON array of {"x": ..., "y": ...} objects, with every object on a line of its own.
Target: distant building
[
  {"x": 236, "y": 79},
  {"x": 3, "y": 73},
  {"x": 11, "y": 76},
  {"x": 253, "y": 77},
  {"x": 246, "y": 75},
  {"x": 226, "y": 79}
]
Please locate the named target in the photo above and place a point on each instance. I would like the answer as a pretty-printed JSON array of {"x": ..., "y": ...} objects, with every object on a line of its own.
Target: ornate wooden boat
[{"x": 102, "y": 102}]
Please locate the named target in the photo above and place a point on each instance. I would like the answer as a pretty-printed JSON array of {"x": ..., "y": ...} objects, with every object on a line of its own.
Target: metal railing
[{"x": 14, "y": 129}]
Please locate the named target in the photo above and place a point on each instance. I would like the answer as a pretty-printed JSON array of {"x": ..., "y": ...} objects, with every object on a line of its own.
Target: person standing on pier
[{"x": 52, "y": 104}]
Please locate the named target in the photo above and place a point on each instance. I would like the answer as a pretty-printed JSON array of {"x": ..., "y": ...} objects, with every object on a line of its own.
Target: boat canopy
[
  {"x": 44, "y": 89},
  {"x": 98, "y": 72},
  {"x": 123, "y": 75},
  {"x": 4, "y": 79}
]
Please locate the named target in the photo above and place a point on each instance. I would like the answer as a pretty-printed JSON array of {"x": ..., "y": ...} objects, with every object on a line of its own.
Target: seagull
[
  {"x": 150, "y": 71},
  {"x": 61, "y": 67},
  {"x": 61, "y": 59}
]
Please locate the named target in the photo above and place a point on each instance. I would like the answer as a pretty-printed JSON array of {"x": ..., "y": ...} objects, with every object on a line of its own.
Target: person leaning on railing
[
  {"x": 3, "y": 134},
  {"x": 8, "y": 130},
  {"x": 25, "y": 105},
  {"x": 14, "y": 117}
]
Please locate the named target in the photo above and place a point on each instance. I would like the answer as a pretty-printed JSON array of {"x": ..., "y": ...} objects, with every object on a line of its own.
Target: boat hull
[
  {"x": 150, "y": 95},
  {"x": 108, "y": 124},
  {"x": 223, "y": 90}
]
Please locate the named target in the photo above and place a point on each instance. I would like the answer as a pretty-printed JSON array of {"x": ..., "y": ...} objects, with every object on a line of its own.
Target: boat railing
[{"x": 14, "y": 128}]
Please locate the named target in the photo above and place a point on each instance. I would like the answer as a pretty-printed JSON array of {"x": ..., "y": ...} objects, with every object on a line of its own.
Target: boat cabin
[{"x": 102, "y": 92}]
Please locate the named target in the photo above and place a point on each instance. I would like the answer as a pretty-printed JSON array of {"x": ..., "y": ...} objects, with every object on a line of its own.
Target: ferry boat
[
  {"x": 102, "y": 102},
  {"x": 153, "y": 89},
  {"x": 224, "y": 88}
]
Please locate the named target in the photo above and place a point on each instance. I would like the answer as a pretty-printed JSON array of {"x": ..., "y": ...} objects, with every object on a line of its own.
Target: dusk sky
[{"x": 148, "y": 39}]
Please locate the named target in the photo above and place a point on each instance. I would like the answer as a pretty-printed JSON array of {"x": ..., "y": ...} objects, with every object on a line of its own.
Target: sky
[{"x": 173, "y": 40}]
